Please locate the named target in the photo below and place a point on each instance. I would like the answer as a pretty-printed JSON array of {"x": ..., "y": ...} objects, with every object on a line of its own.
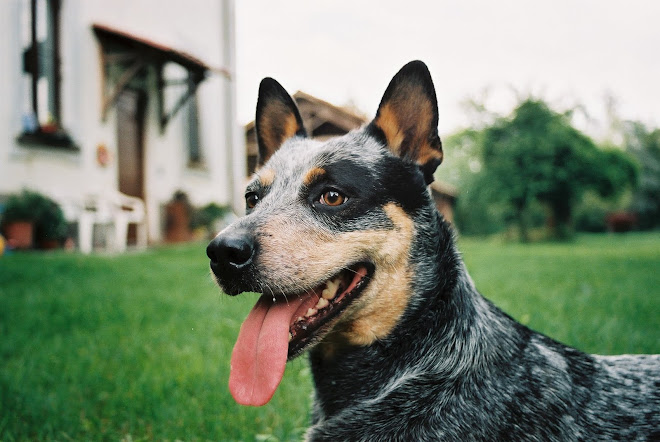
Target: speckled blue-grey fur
[
  {"x": 457, "y": 368},
  {"x": 454, "y": 367}
]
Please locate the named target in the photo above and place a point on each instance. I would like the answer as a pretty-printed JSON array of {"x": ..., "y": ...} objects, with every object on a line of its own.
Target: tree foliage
[
  {"x": 536, "y": 155},
  {"x": 644, "y": 144}
]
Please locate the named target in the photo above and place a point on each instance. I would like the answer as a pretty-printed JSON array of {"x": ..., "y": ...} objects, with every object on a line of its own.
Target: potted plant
[
  {"x": 178, "y": 214},
  {"x": 18, "y": 220},
  {"x": 30, "y": 217},
  {"x": 50, "y": 229}
]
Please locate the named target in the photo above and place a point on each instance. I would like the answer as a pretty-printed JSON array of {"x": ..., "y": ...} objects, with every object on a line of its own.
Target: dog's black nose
[{"x": 234, "y": 249}]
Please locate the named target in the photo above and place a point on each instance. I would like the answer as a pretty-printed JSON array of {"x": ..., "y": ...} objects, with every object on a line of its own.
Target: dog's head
[{"x": 328, "y": 231}]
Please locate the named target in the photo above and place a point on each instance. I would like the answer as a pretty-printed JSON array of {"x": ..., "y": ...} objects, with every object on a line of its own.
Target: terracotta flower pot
[
  {"x": 49, "y": 244},
  {"x": 178, "y": 222},
  {"x": 19, "y": 234}
]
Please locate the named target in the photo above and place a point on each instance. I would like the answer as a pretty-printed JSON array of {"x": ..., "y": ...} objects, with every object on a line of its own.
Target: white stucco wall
[{"x": 196, "y": 27}]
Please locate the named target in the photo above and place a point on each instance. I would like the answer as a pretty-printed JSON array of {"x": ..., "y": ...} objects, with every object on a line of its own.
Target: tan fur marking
[
  {"x": 276, "y": 126},
  {"x": 389, "y": 124},
  {"x": 384, "y": 301},
  {"x": 427, "y": 153},
  {"x": 380, "y": 306},
  {"x": 313, "y": 174},
  {"x": 266, "y": 176},
  {"x": 407, "y": 117},
  {"x": 290, "y": 126}
]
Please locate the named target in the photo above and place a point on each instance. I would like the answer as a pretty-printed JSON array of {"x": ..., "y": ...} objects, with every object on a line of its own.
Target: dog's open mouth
[
  {"x": 324, "y": 304},
  {"x": 280, "y": 327}
]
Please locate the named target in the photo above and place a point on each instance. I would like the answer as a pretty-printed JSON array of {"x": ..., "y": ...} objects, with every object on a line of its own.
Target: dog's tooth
[
  {"x": 327, "y": 294},
  {"x": 330, "y": 290},
  {"x": 290, "y": 337},
  {"x": 322, "y": 303},
  {"x": 300, "y": 318},
  {"x": 311, "y": 312}
]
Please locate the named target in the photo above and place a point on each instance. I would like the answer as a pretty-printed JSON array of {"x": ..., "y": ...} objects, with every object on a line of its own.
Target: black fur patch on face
[
  {"x": 348, "y": 178},
  {"x": 404, "y": 184},
  {"x": 367, "y": 188}
]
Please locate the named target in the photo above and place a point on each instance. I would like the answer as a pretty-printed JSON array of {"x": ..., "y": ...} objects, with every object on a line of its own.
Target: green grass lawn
[{"x": 137, "y": 346}]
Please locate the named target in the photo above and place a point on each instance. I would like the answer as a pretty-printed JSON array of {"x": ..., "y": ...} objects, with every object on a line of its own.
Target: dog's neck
[{"x": 461, "y": 323}]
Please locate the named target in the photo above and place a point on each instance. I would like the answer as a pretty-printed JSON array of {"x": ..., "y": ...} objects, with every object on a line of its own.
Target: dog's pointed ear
[
  {"x": 407, "y": 118},
  {"x": 277, "y": 120}
]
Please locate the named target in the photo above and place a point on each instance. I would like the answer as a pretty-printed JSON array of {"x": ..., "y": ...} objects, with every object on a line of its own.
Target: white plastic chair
[{"x": 118, "y": 210}]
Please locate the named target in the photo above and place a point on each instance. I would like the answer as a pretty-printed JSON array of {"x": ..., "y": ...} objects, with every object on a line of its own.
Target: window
[
  {"x": 195, "y": 158},
  {"x": 41, "y": 72},
  {"x": 179, "y": 93}
]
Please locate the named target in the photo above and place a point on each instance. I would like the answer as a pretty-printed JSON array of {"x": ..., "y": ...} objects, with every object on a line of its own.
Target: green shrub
[
  {"x": 206, "y": 216},
  {"x": 590, "y": 219},
  {"x": 46, "y": 214}
]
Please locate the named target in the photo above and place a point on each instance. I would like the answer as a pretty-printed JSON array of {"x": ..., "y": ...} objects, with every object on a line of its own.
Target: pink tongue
[{"x": 260, "y": 352}]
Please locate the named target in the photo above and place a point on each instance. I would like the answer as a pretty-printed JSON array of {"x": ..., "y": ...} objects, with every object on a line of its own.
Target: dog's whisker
[{"x": 283, "y": 294}]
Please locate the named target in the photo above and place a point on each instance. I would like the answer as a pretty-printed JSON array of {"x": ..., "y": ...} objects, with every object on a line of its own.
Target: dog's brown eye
[
  {"x": 251, "y": 200},
  {"x": 332, "y": 198}
]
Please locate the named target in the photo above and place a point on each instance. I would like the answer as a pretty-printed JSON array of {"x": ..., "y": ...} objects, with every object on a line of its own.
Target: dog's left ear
[
  {"x": 277, "y": 120},
  {"x": 407, "y": 118}
]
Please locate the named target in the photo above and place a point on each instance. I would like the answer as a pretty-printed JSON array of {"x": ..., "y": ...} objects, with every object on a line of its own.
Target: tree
[
  {"x": 644, "y": 144},
  {"x": 536, "y": 155},
  {"x": 475, "y": 212}
]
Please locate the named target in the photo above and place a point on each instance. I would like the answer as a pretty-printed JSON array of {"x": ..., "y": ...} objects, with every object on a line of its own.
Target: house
[
  {"x": 323, "y": 120},
  {"x": 129, "y": 97}
]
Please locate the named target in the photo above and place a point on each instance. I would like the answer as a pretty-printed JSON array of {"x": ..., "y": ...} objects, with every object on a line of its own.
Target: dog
[{"x": 356, "y": 266}]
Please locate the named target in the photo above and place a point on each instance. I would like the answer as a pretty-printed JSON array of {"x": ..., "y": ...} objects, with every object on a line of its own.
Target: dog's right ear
[
  {"x": 407, "y": 119},
  {"x": 277, "y": 120}
]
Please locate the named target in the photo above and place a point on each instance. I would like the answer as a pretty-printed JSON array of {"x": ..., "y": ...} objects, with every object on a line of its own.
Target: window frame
[
  {"x": 194, "y": 150},
  {"x": 36, "y": 132}
]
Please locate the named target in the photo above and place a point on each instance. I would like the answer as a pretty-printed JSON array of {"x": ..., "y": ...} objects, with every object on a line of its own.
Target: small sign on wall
[{"x": 102, "y": 155}]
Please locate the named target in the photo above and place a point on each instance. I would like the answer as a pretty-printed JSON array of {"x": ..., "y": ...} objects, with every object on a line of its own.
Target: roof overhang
[{"x": 133, "y": 54}]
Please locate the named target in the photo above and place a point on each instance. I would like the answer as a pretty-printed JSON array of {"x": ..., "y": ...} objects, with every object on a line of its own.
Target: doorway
[{"x": 131, "y": 106}]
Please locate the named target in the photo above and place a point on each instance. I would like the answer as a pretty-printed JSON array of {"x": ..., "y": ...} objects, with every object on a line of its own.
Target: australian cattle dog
[{"x": 356, "y": 266}]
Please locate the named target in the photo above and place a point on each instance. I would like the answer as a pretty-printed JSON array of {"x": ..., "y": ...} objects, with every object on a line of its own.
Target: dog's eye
[
  {"x": 332, "y": 198},
  {"x": 251, "y": 199}
]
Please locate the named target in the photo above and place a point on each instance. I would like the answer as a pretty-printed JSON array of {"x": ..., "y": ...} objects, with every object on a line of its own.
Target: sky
[{"x": 569, "y": 53}]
